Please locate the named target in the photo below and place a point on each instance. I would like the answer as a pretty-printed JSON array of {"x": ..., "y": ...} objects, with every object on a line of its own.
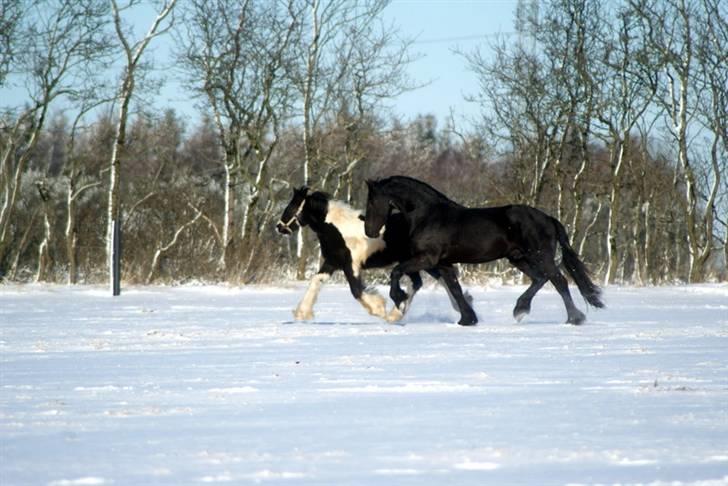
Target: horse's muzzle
[
  {"x": 287, "y": 229},
  {"x": 283, "y": 229}
]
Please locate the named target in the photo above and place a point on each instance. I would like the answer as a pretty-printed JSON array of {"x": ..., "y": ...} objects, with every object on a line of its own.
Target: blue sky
[{"x": 439, "y": 26}]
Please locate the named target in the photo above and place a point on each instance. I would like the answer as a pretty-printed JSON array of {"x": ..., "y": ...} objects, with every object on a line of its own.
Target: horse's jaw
[{"x": 372, "y": 233}]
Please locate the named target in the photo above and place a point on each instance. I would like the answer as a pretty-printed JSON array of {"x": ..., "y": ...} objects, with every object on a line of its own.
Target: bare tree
[
  {"x": 375, "y": 59},
  {"x": 79, "y": 180},
  {"x": 629, "y": 84},
  {"x": 712, "y": 114},
  {"x": 61, "y": 40},
  {"x": 684, "y": 33},
  {"x": 11, "y": 14},
  {"x": 163, "y": 248},
  {"x": 512, "y": 93},
  {"x": 132, "y": 51},
  {"x": 331, "y": 27},
  {"x": 238, "y": 56}
]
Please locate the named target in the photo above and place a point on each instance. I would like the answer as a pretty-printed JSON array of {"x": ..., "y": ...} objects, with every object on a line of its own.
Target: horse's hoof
[
  {"x": 519, "y": 314},
  {"x": 468, "y": 321},
  {"x": 395, "y": 315},
  {"x": 577, "y": 319},
  {"x": 374, "y": 304},
  {"x": 303, "y": 314}
]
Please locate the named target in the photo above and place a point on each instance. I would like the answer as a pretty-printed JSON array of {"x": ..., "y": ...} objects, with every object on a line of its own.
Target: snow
[{"x": 199, "y": 385}]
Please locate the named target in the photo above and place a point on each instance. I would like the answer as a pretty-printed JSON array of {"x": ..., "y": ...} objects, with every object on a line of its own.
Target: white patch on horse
[
  {"x": 346, "y": 220},
  {"x": 304, "y": 310},
  {"x": 374, "y": 304}
]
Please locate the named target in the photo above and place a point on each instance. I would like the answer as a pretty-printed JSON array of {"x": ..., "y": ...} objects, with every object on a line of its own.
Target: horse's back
[{"x": 490, "y": 233}]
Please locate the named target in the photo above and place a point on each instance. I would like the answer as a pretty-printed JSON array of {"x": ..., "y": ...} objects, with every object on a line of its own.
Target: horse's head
[
  {"x": 291, "y": 217},
  {"x": 378, "y": 208}
]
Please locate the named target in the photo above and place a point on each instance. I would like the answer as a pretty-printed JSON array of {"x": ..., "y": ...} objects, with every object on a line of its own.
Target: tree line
[{"x": 609, "y": 115}]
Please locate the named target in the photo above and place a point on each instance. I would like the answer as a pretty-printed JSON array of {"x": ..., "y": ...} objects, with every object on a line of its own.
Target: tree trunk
[
  {"x": 613, "y": 208},
  {"x": 43, "y": 252},
  {"x": 228, "y": 217},
  {"x": 162, "y": 249}
]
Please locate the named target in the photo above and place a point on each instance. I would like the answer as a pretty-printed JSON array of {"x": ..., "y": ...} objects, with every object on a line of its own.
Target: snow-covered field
[{"x": 190, "y": 385}]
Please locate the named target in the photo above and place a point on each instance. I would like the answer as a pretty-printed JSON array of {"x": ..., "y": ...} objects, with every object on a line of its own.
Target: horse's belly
[{"x": 475, "y": 252}]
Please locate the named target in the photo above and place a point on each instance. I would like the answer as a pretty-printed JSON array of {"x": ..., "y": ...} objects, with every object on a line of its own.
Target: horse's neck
[{"x": 410, "y": 200}]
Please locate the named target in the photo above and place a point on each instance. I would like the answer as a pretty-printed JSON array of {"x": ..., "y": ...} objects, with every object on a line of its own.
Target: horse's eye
[{"x": 361, "y": 216}]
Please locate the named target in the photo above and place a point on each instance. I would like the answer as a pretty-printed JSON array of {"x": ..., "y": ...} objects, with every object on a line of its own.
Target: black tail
[{"x": 577, "y": 270}]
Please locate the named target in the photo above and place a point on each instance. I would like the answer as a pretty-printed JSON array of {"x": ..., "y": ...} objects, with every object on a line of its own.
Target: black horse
[
  {"x": 344, "y": 246},
  {"x": 444, "y": 232}
]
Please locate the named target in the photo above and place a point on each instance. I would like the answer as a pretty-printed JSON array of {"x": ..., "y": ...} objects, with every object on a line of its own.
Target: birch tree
[
  {"x": 712, "y": 114},
  {"x": 330, "y": 26},
  {"x": 51, "y": 45},
  {"x": 79, "y": 180},
  {"x": 374, "y": 59},
  {"x": 11, "y": 14},
  {"x": 238, "y": 57},
  {"x": 132, "y": 54},
  {"x": 629, "y": 84},
  {"x": 689, "y": 37}
]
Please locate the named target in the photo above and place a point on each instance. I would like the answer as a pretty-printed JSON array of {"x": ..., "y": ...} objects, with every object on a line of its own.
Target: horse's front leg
[
  {"x": 371, "y": 301},
  {"x": 397, "y": 313},
  {"x": 413, "y": 265},
  {"x": 304, "y": 309},
  {"x": 450, "y": 277}
]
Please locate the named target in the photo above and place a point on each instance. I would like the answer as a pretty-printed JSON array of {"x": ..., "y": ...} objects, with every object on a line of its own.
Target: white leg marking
[
  {"x": 304, "y": 310},
  {"x": 394, "y": 315},
  {"x": 374, "y": 304}
]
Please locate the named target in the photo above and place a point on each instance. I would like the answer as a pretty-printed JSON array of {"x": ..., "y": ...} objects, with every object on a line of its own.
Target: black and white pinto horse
[
  {"x": 344, "y": 246},
  {"x": 442, "y": 231}
]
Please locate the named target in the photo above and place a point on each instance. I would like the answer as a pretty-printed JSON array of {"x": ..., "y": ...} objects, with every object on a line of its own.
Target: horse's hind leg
[
  {"x": 575, "y": 316},
  {"x": 538, "y": 280}
]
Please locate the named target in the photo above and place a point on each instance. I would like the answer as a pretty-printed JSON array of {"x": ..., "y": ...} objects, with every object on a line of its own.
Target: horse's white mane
[
  {"x": 347, "y": 222},
  {"x": 345, "y": 218}
]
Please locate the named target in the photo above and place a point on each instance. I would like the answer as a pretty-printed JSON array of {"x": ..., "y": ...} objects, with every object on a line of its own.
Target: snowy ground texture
[{"x": 192, "y": 385}]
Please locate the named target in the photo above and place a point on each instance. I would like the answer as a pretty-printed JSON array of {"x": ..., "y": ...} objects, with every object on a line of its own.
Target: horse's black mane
[
  {"x": 324, "y": 195},
  {"x": 317, "y": 204},
  {"x": 421, "y": 188}
]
